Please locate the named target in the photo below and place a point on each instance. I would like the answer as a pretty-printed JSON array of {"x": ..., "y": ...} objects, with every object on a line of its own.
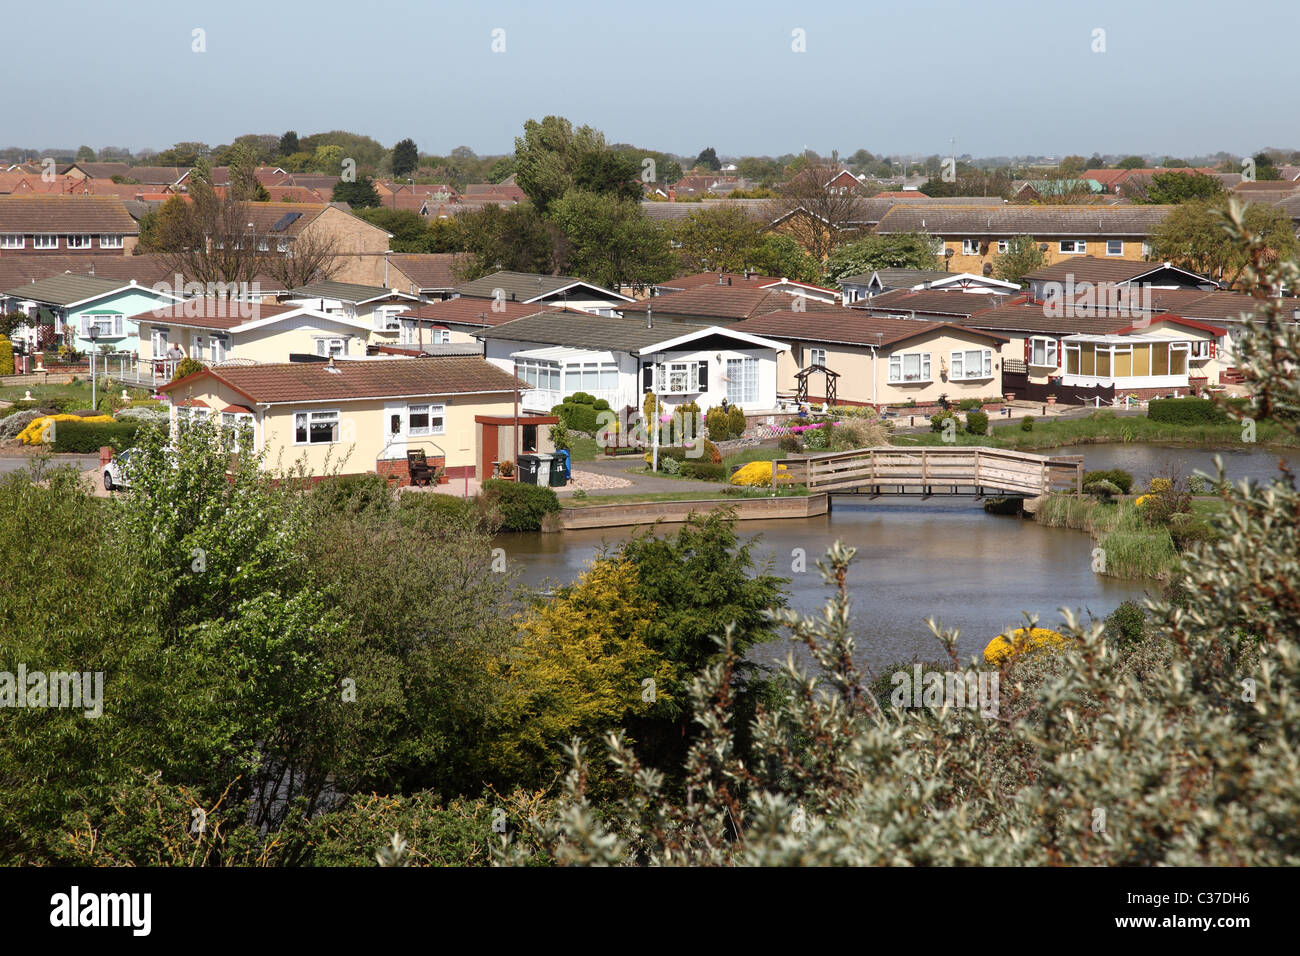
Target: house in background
[
  {"x": 719, "y": 305},
  {"x": 353, "y": 417},
  {"x": 458, "y": 321},
  {"x": 560, "y": 353},
  {"x": 541, "y": 291},
  {"x": 859, "y": 287},
  {"x": 1119, "y": 273},
  {"x": 374, "y": 306},
  {"x": 430, "y": 275},
  {"x": 37, "y": 225},
  {"x": 77, "y": 306}
]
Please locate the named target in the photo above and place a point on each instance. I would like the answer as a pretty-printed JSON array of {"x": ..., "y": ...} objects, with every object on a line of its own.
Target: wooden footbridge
[{"x": 932, "y": 471}]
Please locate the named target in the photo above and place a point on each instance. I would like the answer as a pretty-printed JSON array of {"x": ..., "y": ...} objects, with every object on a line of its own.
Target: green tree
[
  {"x": 612, "y": 241},
  {"x": 708, "y": 159},
  {"x": 1071, "y": 166},
  {"x": 717, "y": 238},
  {"x": 406, "y": 156},
  {"x": 1191, "y": 236},
  {"x": 85, "y": 154},
  {"x": 547, "y": 155},
  {"x": 1174, "y": 188},
  {"x": 358, "y": 194},
  {"x": 1131, "y": 162},
  {"x": 1022, "y": 257},
  {"x": 780, "y": 255},
  {"x": 515, "y": 238},
  {"x": 1264, "y": 168},
  {"x": 410, "y": 230},
  {"x": 183, "y": 154},
  {"x": 905, "y": 250},
  {"x": 288, "y": 144}
]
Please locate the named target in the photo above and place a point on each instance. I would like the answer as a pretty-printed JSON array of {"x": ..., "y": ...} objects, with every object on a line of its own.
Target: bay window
[
  {"x": 910, "y": 367},
  {"x": 972, "y": 364},
  {"x": 316, "y": 428}
]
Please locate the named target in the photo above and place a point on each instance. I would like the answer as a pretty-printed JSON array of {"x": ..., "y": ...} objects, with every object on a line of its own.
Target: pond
[{"x": 940, "y": 557}]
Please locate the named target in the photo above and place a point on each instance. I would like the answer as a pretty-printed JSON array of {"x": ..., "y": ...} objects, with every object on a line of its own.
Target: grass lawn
[
  {"x": 1097, "y": 428},
  {"x": 78, "y": 391},
  {"x": 582, "y": 448}
]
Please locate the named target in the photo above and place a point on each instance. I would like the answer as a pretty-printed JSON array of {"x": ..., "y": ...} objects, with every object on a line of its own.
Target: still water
[{"x": 941, "y": 557}]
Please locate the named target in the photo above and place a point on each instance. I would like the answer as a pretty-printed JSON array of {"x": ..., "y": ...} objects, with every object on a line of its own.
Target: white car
[{"x": 115, "y": 471}]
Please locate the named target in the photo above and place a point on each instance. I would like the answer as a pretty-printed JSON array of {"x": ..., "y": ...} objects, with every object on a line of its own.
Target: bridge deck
[{"x": 892, "y": 470}]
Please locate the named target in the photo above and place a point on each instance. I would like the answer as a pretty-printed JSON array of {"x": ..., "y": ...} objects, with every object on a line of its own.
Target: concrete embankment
[{"x": 648, "y": 512}]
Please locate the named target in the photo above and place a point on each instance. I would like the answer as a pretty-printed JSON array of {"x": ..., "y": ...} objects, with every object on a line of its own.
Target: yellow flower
[
  {"x": 37, "y": 430},
  {"x": 1022, "y": 641},
  {"x": 1142, "y": 499},
  {"x": 757, "y": 474}
]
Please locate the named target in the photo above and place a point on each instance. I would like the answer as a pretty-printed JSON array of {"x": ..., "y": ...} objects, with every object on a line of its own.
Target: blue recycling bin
[{"x": 562, "y": 460}]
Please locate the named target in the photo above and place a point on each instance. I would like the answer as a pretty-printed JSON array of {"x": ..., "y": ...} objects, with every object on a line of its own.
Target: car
[{"x": 115, "y": 478}]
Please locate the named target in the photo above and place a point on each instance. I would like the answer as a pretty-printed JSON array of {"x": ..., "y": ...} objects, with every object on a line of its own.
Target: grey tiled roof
[{"x": 1098, "y": 221}]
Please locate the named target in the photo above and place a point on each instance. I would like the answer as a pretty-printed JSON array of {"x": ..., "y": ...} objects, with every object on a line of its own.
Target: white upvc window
[
  {"x": 1146, "y": 248},
  {"x": 218, "y": 347},
  {"x": 158, "y": 341},
  {"x": 742, "y": 381},
  {"x": 79, "y": 242},
  {"x": 971, "y": 364},
  {"x": 909, "y": 367},
  {"x": 1042, "y": 352},
  {"x": 1114, "y": 247},
  {"x": 970, "y": 247},
  {"x": 263, "y": 245},
  {"x": 12, "y": 241},
  {"x": 1200, "y": 350},
  {"x": 1073, "y": 246},
  {"x": 817, "y": 357},
  {"x": 386, "y": 317},
  {"x": 108, "y": 326},
  {"x": 316, "y": 428},
  {"x": 237, "y": 430},
  {"x": 590, "y": 377},
  {"x": 1004, "y": 246},
  {"x": 332, "y": 346},
  {"x": 110, "y": 242},
  {"x": 426, "y": 419},
  {"x": 675, "y": 378},
  {"x": 540, "y": 374},
  {"x": 45, "y": 242}
]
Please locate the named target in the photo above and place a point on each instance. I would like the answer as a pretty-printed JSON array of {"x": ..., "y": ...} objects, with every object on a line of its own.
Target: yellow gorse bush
[
  {"x": 757, "y": 474},
  {"x": 1142, "y": 499},
  {"x": 37, "y": 431},
  {"x": 1022, "y": 641}
]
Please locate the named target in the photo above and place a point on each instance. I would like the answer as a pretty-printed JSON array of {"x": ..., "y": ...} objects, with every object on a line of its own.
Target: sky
[{"x": 1000, "y": 77}]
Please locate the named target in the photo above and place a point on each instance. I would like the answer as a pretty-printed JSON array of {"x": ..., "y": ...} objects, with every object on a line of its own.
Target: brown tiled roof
[
  {"x": 145, "y": 270},
  {"x": 501, "y": 190},
  {"x": 317, "y": 181},
  {"x": 215, "y": 313},
  {"x": 1033, "y": 318},
  {"x": 1092, "y": 269},
  {"x": 105, "y": 170},
  {"x": 726, "y": 303},
  {"x": 846, "y": 327},
  {"x": 351, "y": 380},
  {"x": 474, "y": 312},
  {"x": 954, "y": 220},
  {"x": 297, "y": 194},
  {"x": 931, "y": 302},
  {"x": 157, "y": 175},
  {"x": 703, "y": 279},
  {"x": 428, "y": 270},
  {"x": 65, "y": 214},
  {"x": 1215, "y": 306}
]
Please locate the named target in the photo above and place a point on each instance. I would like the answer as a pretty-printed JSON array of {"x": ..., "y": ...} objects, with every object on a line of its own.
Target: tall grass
[
  {"x": 1102, "y": 427},
  {"x": 1133, "y": 548}
]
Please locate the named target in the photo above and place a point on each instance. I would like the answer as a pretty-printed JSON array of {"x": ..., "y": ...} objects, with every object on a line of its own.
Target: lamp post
[
  {"x": 654, "y": 454},
  {"x": 93, "y": 333}
]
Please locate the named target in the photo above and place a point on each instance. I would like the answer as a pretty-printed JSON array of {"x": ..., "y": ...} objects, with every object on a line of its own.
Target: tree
[
  {"x": 1096, "y": 161},
  {"x": 515, "y": 238},
  {"x": 85, "y": 154},
  {"x": 708, "y": 159},
  {"x": 866, "y": 255},
  {"x": 1131, "y": 162},
  {"x": 1021, "y": 258},
  {"x": 358, "y": 194},
  {"x": 406, "y": 156},
  {"x": 781, "y": 255},
  {"x": 817, "y": 216},
  {"x": 718, "y": 238},
  {"x": 288, "y": 144},
  {"x": 1174, "y": 188},
  {"x": 1171, "y": 163},
  {"x": 1071, "y": 166},
  {"x": 1264, "y": 168},
  {"x": 613, "y": 242},
  {"x": 244, "y": 186},
  {"x": 547, "y": 155},
  {"x": 183, "y": 154},
  {"x": 610, "y": 173},
  {"x": 1191, "y": 236}
]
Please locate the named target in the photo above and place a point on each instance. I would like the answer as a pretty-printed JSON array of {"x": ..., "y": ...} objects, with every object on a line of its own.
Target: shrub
[
  {"x": 1027, "y": 423},
  {"x": 187, "y": 366},
  {"x": 717, "y": 424},
  {"x": 11, "y": 426},
  {"x": 1126, "y": 624},
  {"x": 937, "y": 421},
  {"x": 1186, "y": 411},
  {"x": 576, "y": 416},
  {"x": 977, "y": 423},
  {"x": 1118, "y": 477},
  {"x": 560, "y": 437},
  {"x": 38, "y": 430},
  {"x": 1160, "y": 486},
  {"x": 1022, "y": 641},
  {"x": 704, "y": 470},
  {"x": 789, "y": 444},
  {"x": 353, "y": 494},
  {"x": 87, "y": 436},
  {"x": 969, "y": 404},
  {"x": 670, "y": 466},
  {"x": 522, "y": 507},
  {"x": 600, "y": 405},
  {"x": 1101, "y": 489},
  {"x": 416, "y": 509},
  {"x": 736, "y": 421},
  {"x": 6, "y": 356},
  {"x": 1196, "y": 485},
  {"x": 757, "y": 474}
]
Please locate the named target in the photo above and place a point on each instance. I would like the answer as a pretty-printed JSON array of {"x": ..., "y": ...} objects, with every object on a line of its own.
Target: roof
[
  {"x": 1215, "y": 306},
  {"x": 30, "y": 214},
  {"x": 224, "y": 314},
  {"x": 476, "y": 312},
  {"x": 352, "y": 380},
  {"x": 700, "y": 279},
  {"x": 759, "y": 210},
  {"x": 952, "y": 220},
  {"x": 932, "y": 302},
  {"x": 599, "y": 333},
  {"x": 897, "y": 278},
  {"x": 850, "y": 327},
  {"x": 526, "y": 286},
  {"x": 345, "y": 291},
  {"x": 67, "y": 289},
  {"x": 104, "y": 170},
  {"x": 1078, "y": 321},
  {"x": 1092, "y": 269},
  {"x": 432, "y": 270},
  {"x": 726, "y": 303},
  {"x": 158, "y": 175}
]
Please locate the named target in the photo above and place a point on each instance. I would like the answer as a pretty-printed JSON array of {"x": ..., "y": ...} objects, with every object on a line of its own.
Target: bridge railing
[{"x": 995, "y": 469}]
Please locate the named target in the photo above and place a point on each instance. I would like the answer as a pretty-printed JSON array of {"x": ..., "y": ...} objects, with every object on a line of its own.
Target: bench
[{"x": 418, "y": 467}]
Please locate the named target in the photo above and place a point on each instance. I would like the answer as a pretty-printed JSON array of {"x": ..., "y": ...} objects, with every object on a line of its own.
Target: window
[
  {"x": 1114, "y": 247},
  {"x": 1004, "y": 246},
  {"x": 263, "y": 245},
  {"x": 976, "y": 363},
  {"x": 110, "y": 242},
  {"x": 217, "y": 349},
  {"x": 1042, "y": 352},
  {"x": 45, "y": 242},
  {"x": 1146, "y": 249},
  {"x": 316, "y": 428},
  {"x": 425, "y": 419},
  {"x": 675, "y": 378},
  {"x": 237, "y": 430},
  {"x": 529, "y": 438},
  {"x": 185, "y": 415},
  {"x": 1200, "y": 350},
  {"x": 540, "y": 374},
  {"x": 1073, "y": 246},
  {"x": 817, "y": 357},
  {"x": 386, "y": 316},
  {"x": 331, "y": 347},
  {"x": 590, "y": 377},
  {"x": 9, "y": 241},
  {"x": 158, "y": 341},
  {"x": 78, "y": 242},
  {"x": 910, "y": 367},
  {"x": 970, "y": 247},
  {"x": 282, "y": 245},
  {"x": 742, "y": 381},
  {"x": 106, "y": 326}
]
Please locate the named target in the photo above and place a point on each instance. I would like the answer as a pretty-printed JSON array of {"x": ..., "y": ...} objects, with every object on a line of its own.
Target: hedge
[
  {"x": 1186, "y": 411},
  {"x": 704, "y": 471},
  {"x": 6, "y": 356},
  {"x": 521, "y": 506},
  {"x": 577, "y": 416},
  {"x": 86, "y": 437},
  {"x": 1118, "y": 477}
]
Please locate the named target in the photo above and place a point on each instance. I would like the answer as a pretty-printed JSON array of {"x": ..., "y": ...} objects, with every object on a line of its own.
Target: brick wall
[{"x": 397, "y": 469}]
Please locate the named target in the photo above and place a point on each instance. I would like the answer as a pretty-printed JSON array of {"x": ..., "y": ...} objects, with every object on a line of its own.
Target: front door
[{"x": 394, "y": 430}]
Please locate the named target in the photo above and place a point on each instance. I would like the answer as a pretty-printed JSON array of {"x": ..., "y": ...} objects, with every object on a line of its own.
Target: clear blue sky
[{"x": 1002, "y": 76}]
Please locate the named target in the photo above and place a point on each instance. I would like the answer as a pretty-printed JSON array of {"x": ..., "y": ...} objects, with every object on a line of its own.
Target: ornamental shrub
[
  {"x": 937, "y": 421},
  {"x": 704, "y": 470},
  {"x": 521, "y": 506},
  {"x": 38, "y": 430},
  {"x": 1126, "y": 624},
  {"x": 187, "y": 366},
  {"x": 6, "y": 356},
  {"x": 1186, "y": 411},
  {"x": 736, "y": 421},
  {"x": 757, "y": 474},
  {"x": 1160, "y": 486},
  {"x": 1116, "y": 476},
  {"x": 87, "y": 435},
  {"x": 1101, "y": 489},
  {"x": 977, "y": 423},
  {"x": 717, "y": 424},
  {"x": 789, "y": 444},
  {"x": 1027, "y": 423},
  {"x": 670, "y": 466},
  {"x": 1022, "y": 642}
]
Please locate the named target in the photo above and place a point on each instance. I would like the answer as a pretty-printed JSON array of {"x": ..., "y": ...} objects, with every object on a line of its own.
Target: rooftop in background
[
  {"x": 430, "y": 271},
  {"x": 63, "y": 290},
  {"x": 472, "y": 312},
  {"x": 932, "y": 302},
  {"x": 527, "y": 286},
  {"x": 949, "y": 220},
  {"x": 96, "y": 215},
  {"x": 847, "y": 327},
  {"x": 1092, "y": 269},
  {"x": 358, "y": 379},
  {"x": 722, "y": 303},
  {"x": 218, "y": 313},
  {"x": 702, "y": 279},
  {"x": 898, "y": 278},
  {"x": 603, "y": 333},
  {"x": 346, "y": 292}
]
